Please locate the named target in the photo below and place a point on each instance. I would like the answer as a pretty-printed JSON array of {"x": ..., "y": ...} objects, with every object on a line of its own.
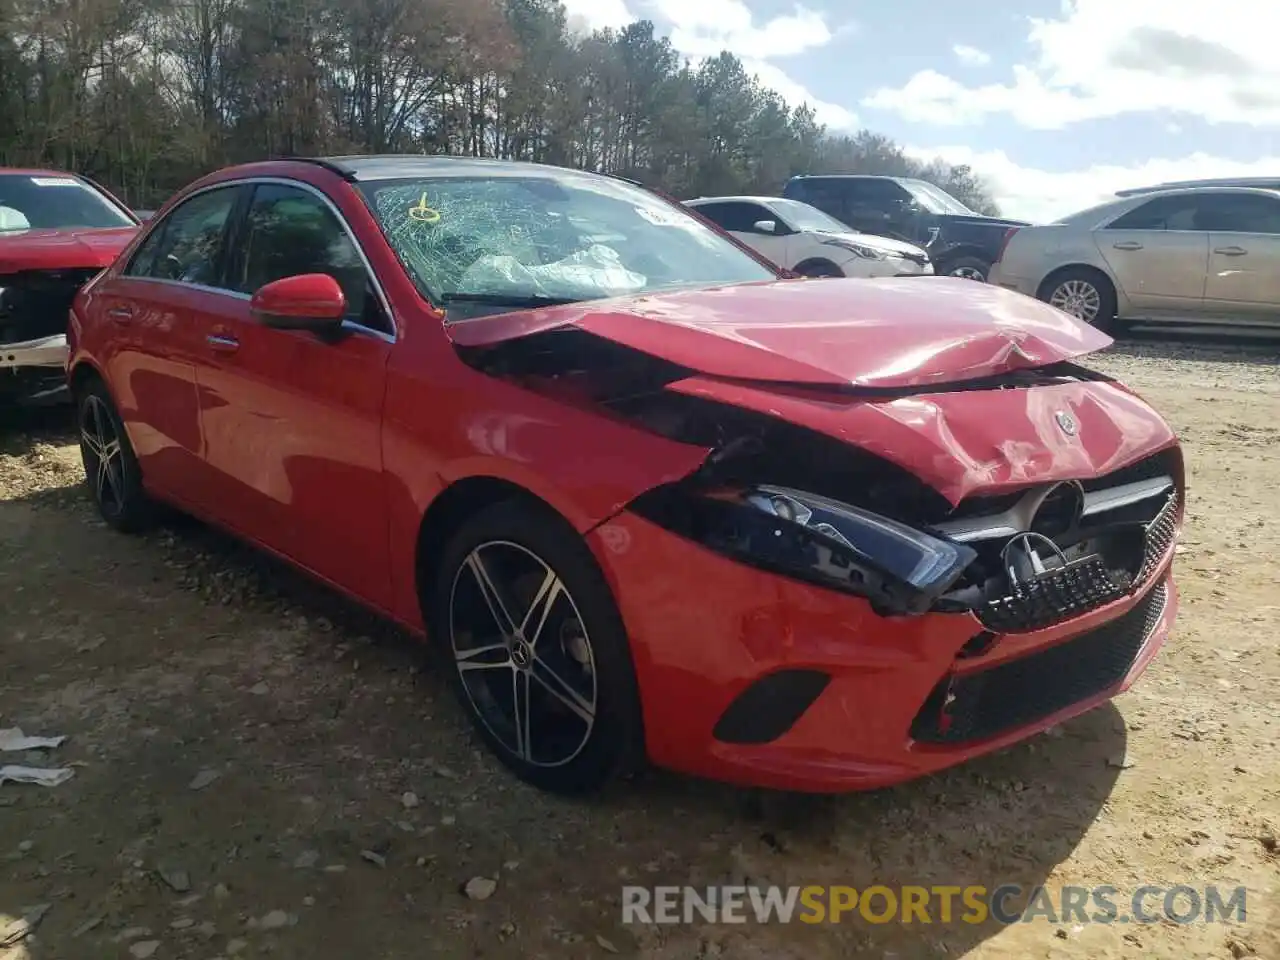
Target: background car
[
  {"x": 960, "y": 242},
  {"x": 804, "y": 240},
  {"x": 1204, "y": 255},
  {"x": 56, "y": 231},
  {"x": 649, "y": 499}
]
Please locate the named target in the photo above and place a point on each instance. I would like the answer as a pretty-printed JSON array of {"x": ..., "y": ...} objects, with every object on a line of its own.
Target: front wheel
[
  {"x": 540, "y": 657},
  {"x": 1084, "y": 295},
  {"x": 818, "y": 268}
]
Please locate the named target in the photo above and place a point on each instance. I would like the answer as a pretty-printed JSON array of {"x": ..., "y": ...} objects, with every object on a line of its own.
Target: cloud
[
  {"x": 1041, "y": 196},
  {"x": 704, "y": 28},
  {"x": 1103, "y": 58},
  {"x": 971, "y": 56},
  {"x": 588, "y": 15}
]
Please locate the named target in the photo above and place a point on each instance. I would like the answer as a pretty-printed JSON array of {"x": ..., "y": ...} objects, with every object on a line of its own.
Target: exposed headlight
[
  {"x": 813, "y": 538},
  {"x": 866, "y": 253}
]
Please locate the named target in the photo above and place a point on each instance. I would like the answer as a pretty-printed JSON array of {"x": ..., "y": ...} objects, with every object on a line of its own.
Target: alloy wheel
[
  {"x": 1080, "y": 298},
  {"x": 523, "y": 654},
  {"x": 968, "y": 273},
  {"x": 103, "y": 455}
]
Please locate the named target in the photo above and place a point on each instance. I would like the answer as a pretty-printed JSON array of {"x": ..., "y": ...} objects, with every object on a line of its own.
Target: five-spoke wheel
[
  {"x": 540, "y": 658},
  {"x": 111, "y": 469},
  {"x": 523, "y": 653}
]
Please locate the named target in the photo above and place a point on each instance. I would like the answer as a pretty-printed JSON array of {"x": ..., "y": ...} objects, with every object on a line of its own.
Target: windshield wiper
[{"x": 508, "y": 299}]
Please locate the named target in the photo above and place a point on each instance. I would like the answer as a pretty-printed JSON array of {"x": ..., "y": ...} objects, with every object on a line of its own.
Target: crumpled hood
[
  {"x": 887, "y": 244},
  {"x": 62, "y": 249},
  {"x": 885, "y": 333}
]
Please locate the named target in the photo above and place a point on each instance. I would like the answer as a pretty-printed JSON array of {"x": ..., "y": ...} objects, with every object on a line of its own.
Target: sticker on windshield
[
  {"x": 55, "y": 181},
  {"x": 421, "y": 213},
  {"x": 661, "y": 218}
]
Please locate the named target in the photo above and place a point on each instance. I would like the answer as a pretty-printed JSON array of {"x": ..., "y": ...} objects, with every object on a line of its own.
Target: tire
[
  {"x": 1085, "y": 294},
  {"x": 572, "y": 673},
  {"x": 819, "y": 268},
  {"x": 111, "y": 468},
  {"x": 968, "y": 268}
]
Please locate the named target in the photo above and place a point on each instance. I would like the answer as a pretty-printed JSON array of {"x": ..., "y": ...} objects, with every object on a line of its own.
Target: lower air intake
[{"x": 1011, "y": 695}]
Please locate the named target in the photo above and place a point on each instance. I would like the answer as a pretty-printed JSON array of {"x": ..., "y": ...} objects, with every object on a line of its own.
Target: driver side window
[
  {"x": 188, "y": 245},
  {"x": 290, "y": 231}
]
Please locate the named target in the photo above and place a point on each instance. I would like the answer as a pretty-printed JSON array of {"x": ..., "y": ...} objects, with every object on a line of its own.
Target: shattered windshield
[
  {"x": 54, "y": 203},
  {"x": 513, "y": 241}
]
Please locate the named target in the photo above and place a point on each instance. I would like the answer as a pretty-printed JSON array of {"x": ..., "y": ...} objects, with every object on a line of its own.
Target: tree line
[{"x": 146, "y": 95}]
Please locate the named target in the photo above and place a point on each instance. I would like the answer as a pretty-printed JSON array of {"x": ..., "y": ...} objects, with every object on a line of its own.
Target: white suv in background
[{"x": 807, "y": 241}]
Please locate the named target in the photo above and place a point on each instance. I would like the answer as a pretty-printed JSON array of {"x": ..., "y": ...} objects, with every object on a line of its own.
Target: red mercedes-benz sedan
[{"x": 653, "y": 500}]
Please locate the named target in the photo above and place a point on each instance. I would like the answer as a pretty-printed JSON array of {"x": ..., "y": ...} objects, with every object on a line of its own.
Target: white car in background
[{"x": 807, "y": 241}]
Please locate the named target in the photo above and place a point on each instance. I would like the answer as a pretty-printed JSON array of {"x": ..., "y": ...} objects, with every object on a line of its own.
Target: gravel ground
[{"x": 262, "y": 770}]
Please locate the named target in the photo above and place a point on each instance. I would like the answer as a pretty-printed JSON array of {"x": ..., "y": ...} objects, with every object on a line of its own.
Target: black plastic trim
[{"x": 770, "y": 707}]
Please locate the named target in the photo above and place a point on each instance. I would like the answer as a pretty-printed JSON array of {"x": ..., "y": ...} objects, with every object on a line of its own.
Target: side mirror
[
  {"x": 309, "y": 301},
  {"x": 765, "y": 226}
]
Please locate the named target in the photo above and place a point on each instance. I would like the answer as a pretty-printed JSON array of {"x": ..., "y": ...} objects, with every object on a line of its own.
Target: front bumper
[
  {"x": 698, "y": 649},
  {"x": 41, "y": 352},
  {"x": 33, "y": 372}
]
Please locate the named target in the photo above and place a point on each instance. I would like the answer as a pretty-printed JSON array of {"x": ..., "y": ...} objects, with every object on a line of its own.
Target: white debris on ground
[{"x": 13, "y": 740}]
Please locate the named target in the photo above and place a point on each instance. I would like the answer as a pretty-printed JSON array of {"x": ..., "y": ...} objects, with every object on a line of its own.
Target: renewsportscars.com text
[{"x": 972, "y": 904}]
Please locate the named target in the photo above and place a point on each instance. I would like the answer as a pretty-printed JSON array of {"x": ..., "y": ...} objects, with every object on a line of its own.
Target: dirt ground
[{"x": 261, "y": 770}]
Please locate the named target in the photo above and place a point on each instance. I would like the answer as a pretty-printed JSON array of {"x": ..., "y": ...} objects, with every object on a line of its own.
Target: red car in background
[
  {"x": 56, "y": 231},
  {"x": 650, "y": 499}
]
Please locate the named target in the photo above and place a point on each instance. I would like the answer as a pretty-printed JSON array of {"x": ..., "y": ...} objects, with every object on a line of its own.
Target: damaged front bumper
[
  {"x": 758, "y": 679},
  {"x": 34, "y": 371},
  {"x": 41, "y": 352}
]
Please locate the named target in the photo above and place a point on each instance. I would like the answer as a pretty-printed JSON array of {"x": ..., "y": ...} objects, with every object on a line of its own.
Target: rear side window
[
  {"x": 827, "y": 195},
  {"x": 188, "y": 245},
  {"x": 1239, "y": 213}
]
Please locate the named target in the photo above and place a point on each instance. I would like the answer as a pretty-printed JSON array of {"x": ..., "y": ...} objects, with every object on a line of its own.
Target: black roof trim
[{"x": 346, "y": 173}]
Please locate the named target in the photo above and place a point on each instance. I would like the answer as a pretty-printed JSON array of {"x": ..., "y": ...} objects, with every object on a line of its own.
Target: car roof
[
  {"x": 854, "y": 176},
  {"x": 34, "y": 172},
  {"x": 362, "y": 169},
  {"x": 701, "y": 200},
  {"x": 1193, "y": 191},
  {"x": 1267, "y": 183}
]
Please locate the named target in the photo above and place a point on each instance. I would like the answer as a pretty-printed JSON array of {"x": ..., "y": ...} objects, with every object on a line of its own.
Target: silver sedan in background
[{"x": 1203, "y": 255}]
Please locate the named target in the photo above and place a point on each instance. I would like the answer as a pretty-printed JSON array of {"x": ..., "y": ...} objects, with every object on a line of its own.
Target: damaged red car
[
  {"x": 651, "y": 500},
  {"x": 56, "y": 232}
]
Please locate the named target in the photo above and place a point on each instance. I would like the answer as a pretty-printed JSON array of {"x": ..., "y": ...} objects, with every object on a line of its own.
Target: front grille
[
  {"x": 1161, "y": 534},
  {"x": 1084, "y": 584},
  {"x": 985, "y": 704}
]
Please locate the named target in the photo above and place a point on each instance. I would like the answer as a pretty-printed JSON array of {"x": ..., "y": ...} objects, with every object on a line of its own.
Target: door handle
[
  {"x": 222, "y": 342},
  {"x": 1127, "y": 245},
  {"x": 121, "y": 314},
  {"x": 1231, "y": 251}
]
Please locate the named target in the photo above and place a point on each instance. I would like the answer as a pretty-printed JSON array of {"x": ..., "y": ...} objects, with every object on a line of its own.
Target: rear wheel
[
  {"x": 967, "y": 268},
  {"x": 540, "y": 657},
  {"x": 111, "y": 468}
]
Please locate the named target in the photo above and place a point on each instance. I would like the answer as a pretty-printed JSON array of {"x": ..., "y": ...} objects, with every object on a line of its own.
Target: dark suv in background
[{"x": 961, "y": 243}]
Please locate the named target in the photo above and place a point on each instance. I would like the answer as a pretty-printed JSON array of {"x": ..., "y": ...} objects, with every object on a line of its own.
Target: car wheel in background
[
  {"x": 540, "y": 657},
  {"x": 967, "y": 268},
  {"x": 1085, "y": 294},
  {"x": 819, "y": 268},
  {"x": 110, "y": 466}
]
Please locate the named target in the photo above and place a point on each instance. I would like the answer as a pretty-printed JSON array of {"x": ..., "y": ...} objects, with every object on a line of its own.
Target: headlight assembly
[
  {"x": 813, "y": 538},
  {"x": 866, "y": 253}
]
